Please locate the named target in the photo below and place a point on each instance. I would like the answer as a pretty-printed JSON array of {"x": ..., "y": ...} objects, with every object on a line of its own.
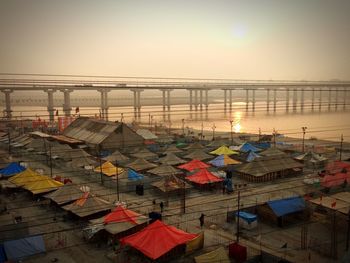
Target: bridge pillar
[
  {"x": 336, "y": 98},
  {"x": 246, "y": 99},
  {"x": 253, "y": 100},
  {"x": 104, "y": 104},
  {"x": 268, "y": 100},
  {"x": 196, "y": 99},
  {"x": 302, "y": 99},
  {"x": 50, "y": 106},
  {"x": 206, "y": 100},
  {"x": 139, "y": 102},
  {"x": 201, "y": 100},
  {"x": 295, "y": 99},
  {"x": 274, "y": 99},
  {"x": 191, "y": 99},
  {"x": 163, "y": 93},
  {"x": 7, "y": 110},
  {"x": 312, "y": 98},
  {"x": 225, "y": 99},
  {"x": 329, "y": 98},
  {"x": 287, "y": 99},
  {"x": 66, "y": 105},
  {"x": 344, "y": 99},
  {"x": 230, "y": 99},
  {"x": 168, "y": 98},
  {"x": 320, "y": 100}
]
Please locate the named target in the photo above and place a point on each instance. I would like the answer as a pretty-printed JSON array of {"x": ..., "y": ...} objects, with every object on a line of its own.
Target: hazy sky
[{"x": 261, "y": 39}]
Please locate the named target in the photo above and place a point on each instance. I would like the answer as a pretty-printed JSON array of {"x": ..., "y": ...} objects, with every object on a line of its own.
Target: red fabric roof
[
  {"x": 194, "y": 165},
  {"x": 337, "y": 167},
  {"x": 335, "y": 180},
  {"x": 204, "y": 177},
  {"x": 121, "y": 214},
  {"x": 157, "y": 239}
]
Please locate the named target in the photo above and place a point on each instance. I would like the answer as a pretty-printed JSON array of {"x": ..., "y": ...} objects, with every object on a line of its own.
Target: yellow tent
[
  {"x": 25, "y": 177},
  {"x": 217, "y": 255},
  {"x": 228, "y": 160},
  {"x": 223, "y": 150},
  {"x": 109, "y": 169},
  {"x": 43, "y": 185}
]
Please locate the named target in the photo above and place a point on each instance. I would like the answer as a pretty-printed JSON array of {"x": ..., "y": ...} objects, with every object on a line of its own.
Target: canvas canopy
[
  {"x": 195, "y": 146},
  {"x": 11, "y": 169},
  {"x": 194, "y": 165},
  {"x": 337, "y": 167},
  {"x": 170, "y": 183},
  {"x": 248, "y": 217},
  {"x": 109, "y": 169},
  {"x": 157, "y": 239},
  {"x": 144, "y": 154},
  {"x": 164, "y": 170},
  {"x": 117, "y": 156},
  {"x": 216, "y": 143},
  {"x": 335, "y": 180},
  {"x": 121, "y": 214},
  {"x": 311, "y": 157},
  {"x": 44, "y": 184},
  {"x": 287, "y": 206},
  {"x": 146, "y": 134},
  {"x": 218, "y": 255},
  {"x": 171, "y": 159},
  {"x": 203, "y": 177},
  {"x": 245, "y": 147},
  {"x": 173, "y": 149},
  {"x": 223, "y": 160},
  {"x": 65, "y": 194},
  {"x": 88, "y": 204},
  {"x": 223, "y": 150},
  {"x": 141, "y": 164},
  {"x": 272, "y": 152},
  {"x": 25, "y": 177},
  {"x": 133, "y": 176},
  {"x": 252, "y": 156},
  {"x": 198, "y": 154},
  {"x": 22, "y": 248}
]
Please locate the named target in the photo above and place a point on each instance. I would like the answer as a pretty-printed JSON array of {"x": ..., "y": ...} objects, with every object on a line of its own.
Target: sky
[{"x": 247, "y": 39}]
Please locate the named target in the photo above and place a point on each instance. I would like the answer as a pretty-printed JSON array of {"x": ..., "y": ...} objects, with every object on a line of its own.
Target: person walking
[
  {"x": 201, "y": 220},
  {"x": 161, "y": 205}
]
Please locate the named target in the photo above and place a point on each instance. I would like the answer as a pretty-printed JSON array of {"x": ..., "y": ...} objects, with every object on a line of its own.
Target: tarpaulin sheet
[
  {"x": 11, "y": 169},
  {"x": 203, "y": 177},
  {"x": 121, "y": 214},
  {"x": 194, "y": 165},
  {"x": 223, "y": 160},
  {"x": 287, "y": 206},
  {"x": 223, "y": 150},
  {"x": 218, "y": 255},
  {"x": 195, "y": 244},
  {"x": 247, "y": 216},
  {"x": 134, "y": 176},
  {"x": 25, "y": 247}
]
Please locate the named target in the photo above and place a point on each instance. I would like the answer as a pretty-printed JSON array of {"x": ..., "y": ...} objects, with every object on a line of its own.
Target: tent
[
  {"x": 121, "y": 214},
  {"x": 144, "y": 154},
  {"x": 116, "y": 156},
  {"x": 337, "y": 167},
  {"x": 11, "y": 169},
  {"x": 87, "y": 205},
  {"x": 164, "y": 170},
  {"x": 146, "y": 134},
  {"x": 218, "y": 255},
  {"x": 25, "y": 177},
  {"x": 312, "y": 159},
  {"x": 134, "y": 176},
  {"x": 272, "y": 152},
  {"x": 141, "y": 164},
  {"x": 217, "y": 143},
  {"x": 223, "y": 160},
  {"x": 172, "y": 149},
  {"x": 335, "y": 180},
  {"x": 109, "y": 169},
  {"x": 194, "y": 165},
  {"x": 198, "y": 154},
  {"x": 195, "y": 146},
  {"x": 170, "y": 183},
  {"x": 203, "y": 176},
  {"x": 43, "y": 185},
  {"x": 22, "y": 248},
  {"x": 287, "y": 206},
  {"x": 157, "y": 239},
  {"x": 252, "y": 156},
  {"x": 247, "y": 220},
  {"x": 245, "y": 147},
  {"x": 171, "y": 159},
  {"x": 223, "y": 150},
  {"x": 65, "y": 194}
]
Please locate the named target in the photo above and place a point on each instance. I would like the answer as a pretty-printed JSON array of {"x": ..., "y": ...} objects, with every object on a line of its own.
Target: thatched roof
[
  {"x": 144, "y": 154},
  {"x": 173, "y": 149},
  {"x": 140, "y": 164},
  {"x": 195, "y": 146},
  {"x": 171, "y": 159},
  {"x": 171, "y": 183},
  {"x": 65, "y": 194},
  {"x": 272, "y": 152},
  {"x": 164, "y": 170},
  {"x": 116, "y": 156},
  {"x": 198, "y": 154}
]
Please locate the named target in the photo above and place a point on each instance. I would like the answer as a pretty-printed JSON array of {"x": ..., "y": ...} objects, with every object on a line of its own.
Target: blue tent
[
  {"x": 218, "y": 161},
  {"x": 252, "y": 156},
  {"x": 262, "y": 145},
  {"x": 11, "y": 169},
  {"x": 134, "y": 176},
  {"x": 287, "y": 206},
  {"x": 25, "y": 247},
  {"x": 246, "y": 147},
  {"x": 246, "y": 216}
]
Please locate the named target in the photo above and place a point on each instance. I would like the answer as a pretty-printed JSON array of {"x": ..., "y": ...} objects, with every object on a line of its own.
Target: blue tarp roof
[
  {"x": 246, "y": 147},
  {"x": 252, "y": 156},
  {"x": 12, "y": 169},
  {"x": 134, "y": 176},
  {"x": 218, "y": 161},
  {"x": 25, "y": 247},
  {"x": 247, "y": 216},
  {"x": 262, "y": 145},
  {"x": 287, "y": 206}
]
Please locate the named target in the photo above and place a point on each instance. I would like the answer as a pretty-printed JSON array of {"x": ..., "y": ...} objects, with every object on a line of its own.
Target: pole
[
  {"x": 259, "y": 134},
  {"x": 231, "y": 122},
  {"x": 202, "y": 127},
  {"x": 238, "y": 208},
  {"x": 100, "y": 159},
  {"x": 214, "y": 127},
  {"x": 341, "y": 146},
  {"x": 183, "y": 126},
  {"x": 348, "y": 233},
  {"x": 274, "y": 137},
  {"x": 50, "y": 160},
  {"x": 9, "y": 140},
  {"x": 304, "y": 131},
  {"x": 117, "y": 174}
]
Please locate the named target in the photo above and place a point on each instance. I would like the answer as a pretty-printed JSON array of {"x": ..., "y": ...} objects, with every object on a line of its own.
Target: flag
[
  {"x": 77, "y": 110},
  {"x": 56, "y": 112},
  {"x": 334, "y": 204},
  {"x": 284, "y": 246}
]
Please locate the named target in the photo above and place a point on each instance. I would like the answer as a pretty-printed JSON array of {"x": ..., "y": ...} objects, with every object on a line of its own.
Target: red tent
[
  {"x": 204, "y": 177},
  {"x": 121, "y": 214},
  {"x": 335, "y": 180},
  {"x": 157, "y": 239},
  {"x": 194, "y": 165},
  {"x": 337, "y": 167}
]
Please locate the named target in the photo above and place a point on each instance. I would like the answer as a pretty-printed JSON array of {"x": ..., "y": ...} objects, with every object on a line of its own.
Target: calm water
[{"x": 324, "y": 124}]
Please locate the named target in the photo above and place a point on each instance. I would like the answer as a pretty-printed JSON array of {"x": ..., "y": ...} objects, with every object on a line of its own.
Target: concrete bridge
[{"x": 198, "y": 90}]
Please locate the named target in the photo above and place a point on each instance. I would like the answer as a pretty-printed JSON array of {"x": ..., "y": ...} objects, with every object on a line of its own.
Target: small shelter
[
  {"x": 164, "y": 170},
  {"x": 141, "y": 164},
  {"x": 337, "y": 179},
  {"x": 143, "y": 153},
  {"x": 88, "y": 205},
  {"x": 109, "y": 169},
  {"x": 223, "y": 150},
  {"x": 198, "y": 154},
  {"x": 247, "y": 220},
  {"x": 43, "y": 184},
  {"x": 203, "y": 177},
  {"x": 171, "y": 159},
  {"x": 217, "y": 255},
  {"x": 65, "y": 194},
  {"x": 131, "y": 175},
  {"x": 217, "y": 143},
  {"x": 251, "y": 156},
  {"x": 194, "y": 165},
  {"x": 245, "y": 147},
  {"x": 146, "y": 134},
  {"x": 195, "y": 146},
  {"x": 170, "y": 184},
  {"x": 157, "y": 239},
  {"x": 173, "y": 149},
  {"x": 25, "y": 177},
  {"x": 273, "y": 151},
  {"x": 312, "y": 160},
  {"x": 223, "y": 160},
  {"x": 116, "y": 156},
  {"x": 337, "y": 167},
  {"x": 11, "y": 169}
]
